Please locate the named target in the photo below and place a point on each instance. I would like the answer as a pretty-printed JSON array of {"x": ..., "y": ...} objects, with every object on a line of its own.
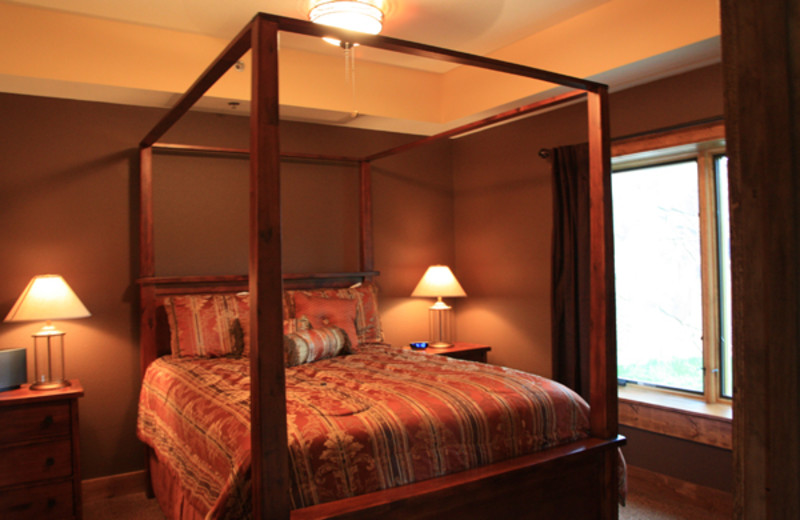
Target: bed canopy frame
[{"x": 558, "y": 479}]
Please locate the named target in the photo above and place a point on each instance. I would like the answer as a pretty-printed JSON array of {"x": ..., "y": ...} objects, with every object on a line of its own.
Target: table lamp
[
  {"x": 439, "y": 282},
  {"x": 47, "y": 297}
]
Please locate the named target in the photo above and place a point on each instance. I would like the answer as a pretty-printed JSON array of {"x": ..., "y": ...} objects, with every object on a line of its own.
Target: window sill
[{"x": 676, "y": 415}]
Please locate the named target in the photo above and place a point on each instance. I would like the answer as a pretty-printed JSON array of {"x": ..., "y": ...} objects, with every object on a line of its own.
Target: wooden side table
[
  {"x": 39, "y": 453},
  {"x": 459, "y": 350}
]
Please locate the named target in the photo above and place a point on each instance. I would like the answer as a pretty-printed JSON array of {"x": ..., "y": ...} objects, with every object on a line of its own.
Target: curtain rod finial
[{"x": 544, "y": 153}]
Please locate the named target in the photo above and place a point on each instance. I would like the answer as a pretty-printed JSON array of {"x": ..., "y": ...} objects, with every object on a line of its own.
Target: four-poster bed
[{"x": 572, "y": 480}]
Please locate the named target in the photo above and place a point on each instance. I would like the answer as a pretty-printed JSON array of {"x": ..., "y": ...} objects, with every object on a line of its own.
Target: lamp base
[
  {"x": 49, "y": 385},
  {"x": 440, "y": 345}
]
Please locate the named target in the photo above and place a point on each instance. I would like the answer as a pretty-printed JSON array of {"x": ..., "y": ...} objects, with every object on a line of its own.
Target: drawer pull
[
  {"x": 50, "y": 461},
  {"x": 51, "y": 503},
  {"x": 47, "y": 422}
]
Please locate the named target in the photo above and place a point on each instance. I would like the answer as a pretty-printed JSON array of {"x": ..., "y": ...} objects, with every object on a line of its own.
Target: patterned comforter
[{"x": 368, "y": 421}]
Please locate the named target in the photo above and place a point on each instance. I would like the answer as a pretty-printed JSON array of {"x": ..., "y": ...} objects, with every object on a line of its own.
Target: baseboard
[
  {"x": 114, "y": 486},
  {"x": 649, "y": 483}
]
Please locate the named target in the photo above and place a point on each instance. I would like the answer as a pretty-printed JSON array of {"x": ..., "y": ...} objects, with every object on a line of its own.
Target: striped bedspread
[{"x": 358, "y": 423}]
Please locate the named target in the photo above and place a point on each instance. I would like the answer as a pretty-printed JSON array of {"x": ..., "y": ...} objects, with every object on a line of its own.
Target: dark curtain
[{"x": 570, "y": 265}]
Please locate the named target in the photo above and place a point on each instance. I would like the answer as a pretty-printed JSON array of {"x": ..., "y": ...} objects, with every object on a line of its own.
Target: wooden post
[
  {"x": 602, "y": 305},
  {"x": 270, "y": 459},
  {"x": 602, "y": 334},
  {"x": 366, "y": 249},
  {"x": 147, "y": 346},
  {"x": 762, "y": 99}
]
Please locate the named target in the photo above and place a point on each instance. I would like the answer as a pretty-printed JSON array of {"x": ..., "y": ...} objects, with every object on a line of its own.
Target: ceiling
[
  {"x": 477, "y": 26},
  {"x": 147, "y": 52}
]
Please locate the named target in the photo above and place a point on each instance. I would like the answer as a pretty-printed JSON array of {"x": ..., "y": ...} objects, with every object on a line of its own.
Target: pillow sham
[
  {"x": 307, "y": 346},
  {"x": 327, "y": 311},
  {"x": 207, "y": 325},
  {"x": 367, "y": 319}
]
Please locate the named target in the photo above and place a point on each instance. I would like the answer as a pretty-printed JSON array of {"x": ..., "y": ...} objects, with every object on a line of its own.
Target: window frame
[{"x": 702, "y": 142}]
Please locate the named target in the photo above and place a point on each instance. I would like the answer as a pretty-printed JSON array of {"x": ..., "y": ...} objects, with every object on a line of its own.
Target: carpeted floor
[{"x": 138, "y": 507}]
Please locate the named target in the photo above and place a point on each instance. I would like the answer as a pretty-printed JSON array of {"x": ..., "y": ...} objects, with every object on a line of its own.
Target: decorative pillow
[
  {"x": 307, "y": 346},
  {"x": 367, "y": 322},
  {"x": 295, "y": 325},
  {"x": 207, "y": 325},
  {"x": 325, "y": 311}
]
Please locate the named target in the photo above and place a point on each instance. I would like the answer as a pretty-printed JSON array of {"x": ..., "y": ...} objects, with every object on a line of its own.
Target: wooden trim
[
  {"x": 709, "y": 265},
  {"x": 102, "y": 488},
  {"x": 683, "y": 424},
  {"x": 663, "y": 487},
  {"x": 700, "y": 133}
]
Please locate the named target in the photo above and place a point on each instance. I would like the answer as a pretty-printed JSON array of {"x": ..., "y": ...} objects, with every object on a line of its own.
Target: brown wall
[
  {"x": 480, "y": 203},
  {"x": 67, "y": 176},
  {"x": 503, "y": 229}
]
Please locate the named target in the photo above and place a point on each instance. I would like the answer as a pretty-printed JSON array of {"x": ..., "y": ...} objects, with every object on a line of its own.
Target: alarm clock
[{"x": 418, "y": 345}]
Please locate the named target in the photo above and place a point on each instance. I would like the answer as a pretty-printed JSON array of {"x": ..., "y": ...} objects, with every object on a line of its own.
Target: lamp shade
[
  {"x": 47, "y": 297},
  {"x": 439, "y": 281}
]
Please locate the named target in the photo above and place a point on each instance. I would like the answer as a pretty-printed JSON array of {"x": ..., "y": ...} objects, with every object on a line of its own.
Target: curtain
[{"x": 570, "y": 267}]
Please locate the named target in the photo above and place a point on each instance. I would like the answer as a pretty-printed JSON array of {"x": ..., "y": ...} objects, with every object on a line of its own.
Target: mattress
[{"x": 357, "y": 423}]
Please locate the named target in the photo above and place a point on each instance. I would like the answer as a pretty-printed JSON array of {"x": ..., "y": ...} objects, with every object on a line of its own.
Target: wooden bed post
[
  {"x": 147, "y": 269},
  {"x": 270, "y": 459},
  {"x": 602, "y": 301},
  {"x": 366, "y": 249}
]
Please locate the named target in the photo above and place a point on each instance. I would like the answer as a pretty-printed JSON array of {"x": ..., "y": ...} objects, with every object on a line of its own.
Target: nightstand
[
  {"x": 459, "y": 350},
  {"x": 39, "y": 453}
]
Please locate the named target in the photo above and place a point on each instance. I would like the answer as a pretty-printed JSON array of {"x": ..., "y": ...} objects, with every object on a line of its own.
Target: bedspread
[{"x": 358, "y": 423}]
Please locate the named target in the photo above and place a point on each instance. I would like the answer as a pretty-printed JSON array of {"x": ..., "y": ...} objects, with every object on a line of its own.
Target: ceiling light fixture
[{"x": 363, "y": 16}]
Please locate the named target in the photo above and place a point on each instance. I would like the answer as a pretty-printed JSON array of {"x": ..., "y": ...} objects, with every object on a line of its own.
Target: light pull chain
[{"x": 350, "y": 74}]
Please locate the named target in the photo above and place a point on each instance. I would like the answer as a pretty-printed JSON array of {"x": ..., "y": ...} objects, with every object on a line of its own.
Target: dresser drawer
[
  {"x": 39, "y": 461},
  {"x": 34, "y": 421},
  {"x": 50, "y": 501}
]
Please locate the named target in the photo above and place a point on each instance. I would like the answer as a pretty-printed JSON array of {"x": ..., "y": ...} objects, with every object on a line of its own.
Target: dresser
[{"x": 39, "y": 453}]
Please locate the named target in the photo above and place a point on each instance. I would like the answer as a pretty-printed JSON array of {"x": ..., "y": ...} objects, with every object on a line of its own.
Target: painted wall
[
  {"x": 503, "y": 228},
  {"x": 67, "y": 176},
  {"x": 480, "y": 203}
]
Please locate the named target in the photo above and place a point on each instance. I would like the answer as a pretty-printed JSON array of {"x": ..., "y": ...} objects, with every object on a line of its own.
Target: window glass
[{"x": 658, "y": 275}]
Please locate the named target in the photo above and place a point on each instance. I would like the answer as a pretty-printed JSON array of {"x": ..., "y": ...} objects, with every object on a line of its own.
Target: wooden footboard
[{"x": 575, "y": 481}]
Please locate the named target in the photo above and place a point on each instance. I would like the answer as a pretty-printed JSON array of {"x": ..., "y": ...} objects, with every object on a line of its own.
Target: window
[{"x": 672, "y": 267}]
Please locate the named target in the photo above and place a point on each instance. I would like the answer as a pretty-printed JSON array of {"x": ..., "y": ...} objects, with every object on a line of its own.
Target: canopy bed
[{"x": 572, "y": 477}]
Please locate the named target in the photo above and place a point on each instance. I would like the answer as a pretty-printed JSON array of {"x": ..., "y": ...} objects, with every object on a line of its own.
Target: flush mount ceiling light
[{"x": 354, "y": 15}]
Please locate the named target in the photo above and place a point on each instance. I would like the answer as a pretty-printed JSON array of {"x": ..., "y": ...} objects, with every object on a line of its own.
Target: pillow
[
  {"x": 242, "y": 327},
  {"x": 207, "y": 325},
  {"x": 307, "y": 346},
  {"x": 325, "y": 311},
  {"x": 295, "y": 325},
  {"x": 367, "y": 321}
]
